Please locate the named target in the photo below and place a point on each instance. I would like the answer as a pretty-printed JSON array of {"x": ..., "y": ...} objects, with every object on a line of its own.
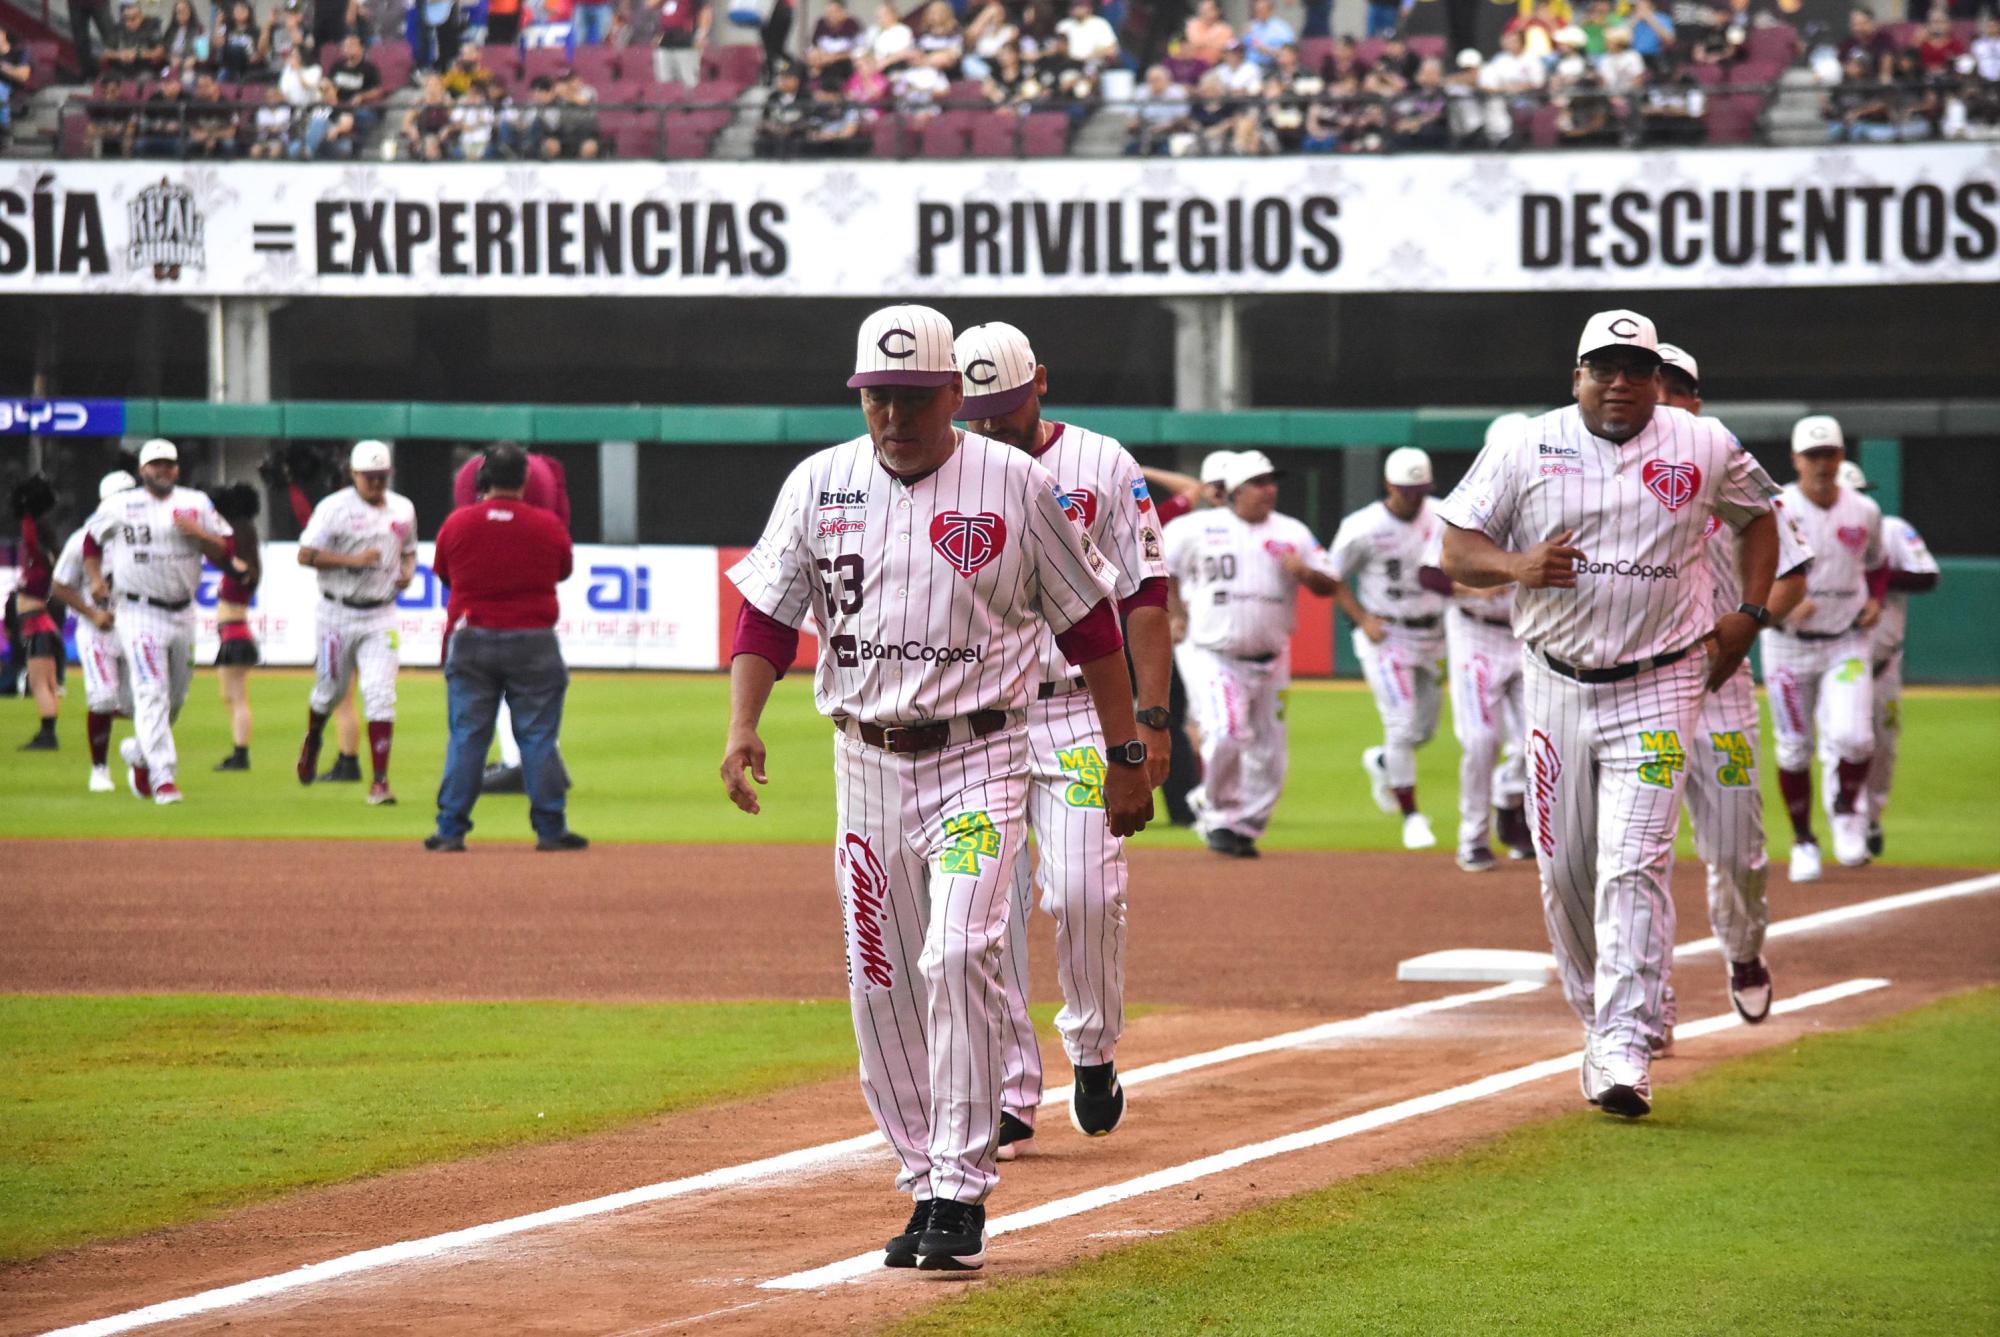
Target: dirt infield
[{"x": 1230, "y": 951}]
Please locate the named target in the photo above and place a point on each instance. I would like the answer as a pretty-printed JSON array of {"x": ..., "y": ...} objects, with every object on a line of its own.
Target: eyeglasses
[{"x": 1606, "y": 370}]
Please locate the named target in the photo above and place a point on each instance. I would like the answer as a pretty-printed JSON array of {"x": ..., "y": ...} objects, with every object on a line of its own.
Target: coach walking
[{"x": 503, "y": 559}]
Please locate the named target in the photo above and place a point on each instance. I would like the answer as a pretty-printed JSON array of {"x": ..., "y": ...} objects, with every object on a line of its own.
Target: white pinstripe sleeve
[
  {"x": 1794, "y": 553},
  {"x": 102, "y": 524},
  {"x": 1745, "y": 490},
  {"x": 1874, "y": 556},
  {"x": 1488, "y": 497},
  {"x": 1124, "y": 542},
  {"x": 776, "y": 576},
  {"x": 314, "y": 535},
  {"x": 1070, "y": 575},
  {"x": 1349, "y": 552}
]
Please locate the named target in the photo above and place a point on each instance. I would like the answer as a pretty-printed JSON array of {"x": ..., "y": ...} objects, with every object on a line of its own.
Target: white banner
[{"x": 1891, "y": 214}]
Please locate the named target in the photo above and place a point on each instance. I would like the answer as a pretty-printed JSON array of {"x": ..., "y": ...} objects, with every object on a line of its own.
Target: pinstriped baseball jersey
[
  {"x": 932, "y": 598},
  {"x": 69, "y": 569},
  {"x": 1904, "y": 550},
  {"x": 146, "y": 555},
  {"x": 1239, "y": 599},
  {"x": 1378, "y": 555},
  {"x": 1720, "y": 554},
  {"x": 1639, "y": 512},
  {"x": 1846, "y": 540},
  {"x": 344, "y": 523},
  {"x": 1104, "y": 491}
]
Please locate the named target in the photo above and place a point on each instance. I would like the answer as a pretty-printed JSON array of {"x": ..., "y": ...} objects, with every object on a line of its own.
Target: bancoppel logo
[
  {"x": 844, "y": 497},
  {"x": 1631, "y": 570},
  {"x": 169, "y": 232},
  {"x": 909, "y": 652}
]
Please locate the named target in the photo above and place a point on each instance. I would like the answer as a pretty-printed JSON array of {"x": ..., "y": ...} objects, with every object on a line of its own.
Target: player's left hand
[
  {"x": 745, "y": 753},
  {"x": 1159, "y": 755},
  {"x": 1733, "y": 635},
  {"x": 1128, "y": 799},
  {"x": 1871, "y": 613}
]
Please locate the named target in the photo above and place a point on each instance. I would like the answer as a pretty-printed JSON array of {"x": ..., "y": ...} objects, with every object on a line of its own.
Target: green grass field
[
  {"x": 644, "y": 751},
  {"x": 1849, "y": 1183}
]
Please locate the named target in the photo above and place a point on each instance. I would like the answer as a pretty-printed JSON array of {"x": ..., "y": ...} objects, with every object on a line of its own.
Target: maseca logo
[
  {"x": 867, "y": 913},
  {"x": 968, "y": 542},
  {"x": 1674, "y": 484}
]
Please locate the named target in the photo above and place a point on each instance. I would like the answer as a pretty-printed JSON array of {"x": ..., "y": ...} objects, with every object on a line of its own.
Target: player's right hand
[
  {"x": 369, "y": 557},
  {"x": 1128, "y": 799},
  {"x": 100, "y": 618},
  {"x": 100, "y": 592},
  {"x": 1372, "y": 628},
  {"x": 1550, "y": 564},
  {"x": 745, "y": 752}
]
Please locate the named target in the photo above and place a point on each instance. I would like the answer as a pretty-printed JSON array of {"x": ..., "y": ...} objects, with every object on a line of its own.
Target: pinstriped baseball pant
[
  {"x": 1486, "y": 690},
  {"x": 107, "y": 679},
  {"x": 1082, "y": 871},
  {"x": 1403, "y": 674},
  {"x": 923, "y": 858},
  {"x": 1239, "y": 706},
  {"x": 1606, "y": 764},
  {"x": 159, "y": 651}
]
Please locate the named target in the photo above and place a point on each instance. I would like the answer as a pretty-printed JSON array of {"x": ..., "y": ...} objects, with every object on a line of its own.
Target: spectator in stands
[
  {"x": 1673, "y": 109},
  {"x": 1266, "y": 34},
  {"x": 1211, "y": 114},
  {"x": 1003, "y": 82},
  {"x": 867, "y": 87},
  {"x": 271, "y": 126},
  {"x": 135, "y": 49},
  {"x": 1919, "y": 95},
  {"x": 211, "y": 121},
  {"x": 835, "y": 39},
  {"x": 1397, "y": 58},
  {"x": 503, "y": 22},
  {"x": 1088, "y": 39},
  {"x": 184, "y": 37},
  {"x": 1587, "y": 117},
  {"x": 1593, "y": 19},
  {"x": 1939, "y": 48},
  {"x": 1239, "y": 77},
  {"x": 358, "y": 85},
  {"x": 836, "y": 128},
  {"x": 1512, "y": 81},
  {"x": 1417, "y": 118},
  {"x": 1972, "y": 105},
  {"x": 85, "y": 15},
  {"x": 109, "y": 122},
  {"x": 1039, "y": 44},
  {"x": 16, "y": 69},
  {"x": 1284, "y": 113},
  {"x": 425, "y": 122},
  {"x": 579, "y": 135},
  {"x": 683, "y": 32},
  {"x": 1343, "y": 61},
  {"x": 1159, "y": 112},
  {"x": 299, "y": 78},
  {"x": 1570, "y": 66},
  {"x": 1652, "y": 35},
  {"x": 1383, "y": 80},
  {"x": 476, "y": 124},
  {"x": 940, "y": 42},
  {"x": 1465, "y": 115},
  {"x": 440, "y": 27},
  {"x": 1860, "y": 110},
  {"x": 1296, "y": 77},
  {"x": 468, "y": 73},
  {"x": 592, "y": 22},
  {"x": 890, "y": 41},
  {"x": 1206, "y": 35},
  {"x": 1865, "y": 39},
  {"x": 777, "y": 27},
  {"x": 284, "y": 32},
  {"x": 989, "y": 30},
  {"x": 326, "y": 130},
  {"x": 1537, "y": 30},
  {"x": 918, "y": 89},
  {"x": 1324, "y": 119},
  {"x": 1986, "y": 50},
  {"x": 237, "y": 46},
  {"x": 1620, "y": 68},
  {"x": 781, "y": 127},
  {"x": 163, "y": 121}
]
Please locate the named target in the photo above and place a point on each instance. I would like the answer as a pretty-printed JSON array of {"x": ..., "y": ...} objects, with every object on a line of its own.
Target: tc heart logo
[
  {"x": 1852, "y": 536},
  {"x": 1081, "y": 506},
  {"x": 1279, "y": 550},
  {"x": 1674, "y": 484},
  {"x": 1708, "y": 530},
  {"x": 968, "y": 542}
]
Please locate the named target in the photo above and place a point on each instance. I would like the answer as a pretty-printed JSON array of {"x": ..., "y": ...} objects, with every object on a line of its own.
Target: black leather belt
[
  {"x": 1506, "y": 622},
  {"x": 356, "y": 603},
  {"x": 1618, "y": 672},
  {"x": 1417, "y": 623},
  {"x": 1063, "y": 688},
  {"x": 170, "y": 605},
  {"x": 1254, "y": 659},
  {"x": 1818, "y": 635},
  {"x": 904, "y": 739}
]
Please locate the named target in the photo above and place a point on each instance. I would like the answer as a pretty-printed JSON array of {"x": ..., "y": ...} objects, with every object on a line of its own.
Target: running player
[
  {"x": 237, "y": 654},
  {"x": 363, "y": 542},
  {"x": 1080, "y": 864},
  {"x": 932, "y": 562},
  {"x": 1378, "y": 554},
  {"x": 1599, "y": 512},
  {"x": 107, "y": 682}
]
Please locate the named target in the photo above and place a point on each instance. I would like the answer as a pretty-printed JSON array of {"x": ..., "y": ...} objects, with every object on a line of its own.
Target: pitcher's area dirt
[{"x": 1228, "y": 951}]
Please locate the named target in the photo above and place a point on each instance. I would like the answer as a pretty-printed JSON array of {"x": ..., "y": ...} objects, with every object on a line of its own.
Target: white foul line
[
  {"x": 853, "y": 1269},
  {"x": 830, "y": 1154}
]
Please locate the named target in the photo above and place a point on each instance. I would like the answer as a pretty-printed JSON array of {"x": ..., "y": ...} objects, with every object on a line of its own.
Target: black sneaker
[
  {"x": 1750, "y": 989},
  {"x": 1232, "y": 845},
  {"x": 954, "y": 1240},
  {"x": 41, "y": 742},
  {"x": 901, "y": 1250},
  {"x": 346, "y": 769},
  {"x": 445, "y": 844},
  {"x": 1875, "y": 840},
  {"x": 1097, "y": 1100},
  {"x": 568, "y": 840},
  {"x": 1511, "y": 828},
  {"x": 501, "y": 780},
  {"x": 1016, "y": 1138},
  {"x": 235, "y": 761}
]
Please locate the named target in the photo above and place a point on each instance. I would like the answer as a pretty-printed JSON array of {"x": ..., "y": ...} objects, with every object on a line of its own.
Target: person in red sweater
[
  {"x": 502, "y": 560},
  {"x": 41, "y": 637}
]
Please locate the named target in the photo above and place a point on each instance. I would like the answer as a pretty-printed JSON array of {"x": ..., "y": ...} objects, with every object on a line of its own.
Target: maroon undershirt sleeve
[
  {"x": 1092, "y": 636},
  {"x": 1152, "y": 593},
  {"x": 1878, "y": 582},
  {"x": 760, "y": 634},
  {"x": 1434, "y": 579},
  {"x": 91, "y": 547}
]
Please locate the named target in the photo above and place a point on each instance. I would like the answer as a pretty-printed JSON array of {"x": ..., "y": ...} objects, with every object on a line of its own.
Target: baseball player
[
  {"x": 41, "y": 637},
  {"x": 107, "y": 682},
  {"x": 1233, "y": 578},
  {"x": 155, "y": 536},
  {"x": 1378, "y": 555},
  {"x": 1724, "y": 801},
  {"x": 932, "y": 562},
  {"x": 1175, "y": 495},
  {"x": 1816, "y": 664},
  {"x": 1079, "y": 863},
  {"x": 1912, "y": 570},
  {"x": 237, "y": 654},
  {"x": 1599, "y": 512},
  {"x": 1484, "y": 666},
  {"x": 363, "y": 542}
]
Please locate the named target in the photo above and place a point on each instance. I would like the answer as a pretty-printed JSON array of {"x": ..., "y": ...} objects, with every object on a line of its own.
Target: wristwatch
[
  {"x": 1127, "y": 754},
  {"x": 1155, "y": 717},
  {"x": 1756, "y": 613}
]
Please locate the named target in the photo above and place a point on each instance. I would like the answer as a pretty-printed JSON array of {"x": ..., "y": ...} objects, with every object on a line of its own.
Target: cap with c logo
[
  {"x": 1817, "y": 431},
  {"x": 1618, "y": 329},
  {"x": 903, "y": 345},
  {"x": 998, "y": 365}
]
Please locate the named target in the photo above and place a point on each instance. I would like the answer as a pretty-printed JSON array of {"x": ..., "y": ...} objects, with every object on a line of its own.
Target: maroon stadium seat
[
  {"x": 686, "y": 141},
  {"x": 1546, "y": 128},
  {"x": 42, "y": 70},
  {"x": 1732, "y": 119},
  {"x": 1367, "y": 51},
  {"x": 666, "y": 94},
  {"x": 1708, "y": 76},
  {"x": 392, "y": 60},
  {"x": 742, "y": 64},
  {"x": 621, "y": 91},
  {"x": 1428, "y": 46},
  {"x": 598, "y": 65},
  {"x": 891, "y": 138},
  {"x": 1045, "y": 134},
  {"x": 966, "y": 90},
  {"x": 1314, "y": 53},
  {"x": 1759, "y": 73},
  {"x": 945, "y": 135},
  {"x": 995, "y": 134},
  {"x": 1772, "y": 46},
  {"x": 71, "y": 144},
  {"x": 544, "y": 62}
]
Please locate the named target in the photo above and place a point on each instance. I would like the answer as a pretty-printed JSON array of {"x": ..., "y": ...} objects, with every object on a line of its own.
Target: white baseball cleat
[
  {"x": 100, "y": 780},
  {"x": 1417, "y": 833},
  {"x": 1805, "y": 862},
  {"x": 135, "y": 769},
  {"x": 164, "y": 794},
  {"x": 1850, "y": 839},
  {"x": 1378, "y": 779}
]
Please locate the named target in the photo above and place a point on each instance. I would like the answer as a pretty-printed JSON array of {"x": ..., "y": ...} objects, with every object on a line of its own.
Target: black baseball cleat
[
  {"x": 1478, "y": 859},
  {"x": 1096, "y": 1099},
  {"x": 1232, "y": 844},
  {"x": 568, "y": 840},
  {"x": 41, "y": 742},
  {"x": 346, "y": 769},
  {"x": 901, "y": 1250},
  {"x": 445, "y": 844},
  {"x": 1875, "y": 842},
  {"x": 1016, "y": 1138},
  {"x": 954, "y": 1240},
  {"x": 235, "y": 761},
  {"x": 501, "y": 780},
  {"x": 1627, "y": 1102}
]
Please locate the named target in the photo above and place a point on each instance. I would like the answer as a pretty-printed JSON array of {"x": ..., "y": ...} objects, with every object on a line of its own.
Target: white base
[{"x": 1495, "y": 965}]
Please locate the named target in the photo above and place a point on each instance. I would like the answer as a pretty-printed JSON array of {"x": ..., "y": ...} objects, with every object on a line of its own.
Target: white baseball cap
[
  {"x": 1407, "y": 467},
  {"x": 1506, "y": 422},
  {"x": 1679, "y": 358},
  {"x": 1245, "y": 465},
  {"x": 1571, "y": 36},
  {"x": 1215, "y": 465},
  {"x": 1817, "y": 431},
  {"x": 369, "y": 457},
  {"x": 904, "y": 345},
  {"x": 1618, "y": 329},
  {"x": 159, "y": 448},
  {"x": 998, "y": 366},
  {"x": 115, "y": 482},
  {"x": 1851, "y": 477}
]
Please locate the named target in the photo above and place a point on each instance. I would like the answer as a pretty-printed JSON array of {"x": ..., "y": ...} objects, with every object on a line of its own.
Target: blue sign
[{"x": 62, "y": 417}]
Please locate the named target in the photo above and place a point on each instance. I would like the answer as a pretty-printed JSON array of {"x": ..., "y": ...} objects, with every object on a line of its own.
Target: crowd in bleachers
[{"x": 448, "y": 80}]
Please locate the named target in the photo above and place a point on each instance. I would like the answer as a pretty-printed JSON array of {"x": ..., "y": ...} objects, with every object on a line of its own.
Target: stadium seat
[
  {"x": 598, "y": 65},
  {"x": 392, "y": 60},
  {"x": 1759, "y": 73},
  {"x": 619, "y": 91},
  {"x": 1367, "y": 51},
  {"x": 1774, "y": 45},
  {"x": 1708, "y": 76},
  {"x": 686, "y": 141},
  {"x": 1428, "y": 46},
  {"x": 70, "y": 143},
  {"x": 967, "y": 91},
  {"x": 1045, "y": 134},
  {"x": 1732, "y": 119},
  {"x": 945, "y": 135},
  {"x": 43, "y": 62},
  {"x": 665, "y": 94},
  {"x": 1546, "y": 128},
  {"x": 544, "y": 62},
  {"x": 741, "y": 64},
  {"x": 891, "y": 138},
  {"x": 995, "y": 134},
  {"x": 1314, "y": 53}
]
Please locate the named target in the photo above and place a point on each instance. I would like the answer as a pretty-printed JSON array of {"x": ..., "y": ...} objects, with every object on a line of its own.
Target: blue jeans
[
  {"x": 525, "y": 667},
  {"x": 593, "y": 22},
  {"x": 1382, "y": 20}
]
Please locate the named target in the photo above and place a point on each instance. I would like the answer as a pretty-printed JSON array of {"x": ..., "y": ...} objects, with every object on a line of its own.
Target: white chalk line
[
  {"x": 831, "y": 1154},
  {"x": 861, "y": 1265}
]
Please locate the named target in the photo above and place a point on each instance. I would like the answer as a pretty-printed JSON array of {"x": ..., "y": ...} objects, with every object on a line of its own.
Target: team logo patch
[
  {"x": 1085, "y": 768},
  {"x": 867, "y": 884},
  {"x": 1852, "y": 537},
  {"x": 1664, "y": 757},
  {"x": 1708, "y": 529},
  {"x": 1080, "y": 504},
  {"x": 1149, "y": 542},
  {"x": 1141, "y": 495},
  {"x": 1547, "y": 769},
  {"x": 1674, "y": 484},
  {"x": 1280, "y": 550},
  {"x": 968, "y": 542},
  {"x": 972, "y": 838}
]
